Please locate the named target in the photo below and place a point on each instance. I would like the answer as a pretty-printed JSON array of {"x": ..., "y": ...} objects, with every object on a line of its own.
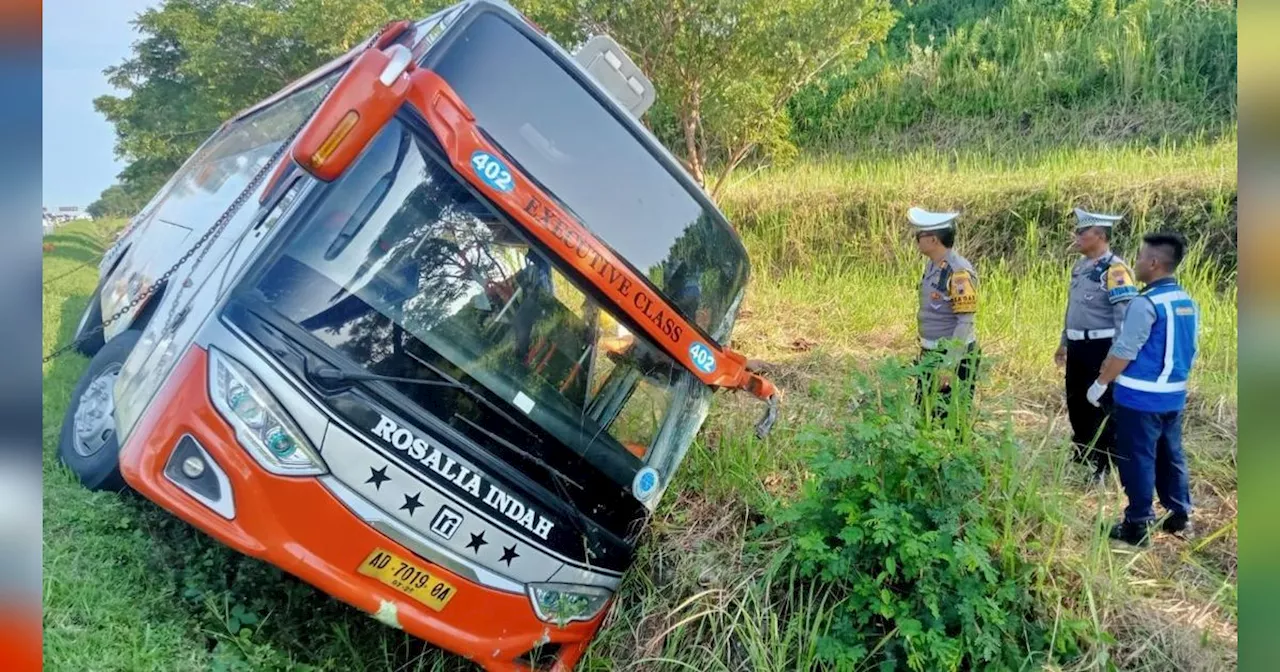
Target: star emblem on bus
[
  {"x": 377, "y": 477},
  {"x": 477, "y": 540},
  {"x": 509, "y": 554},
  {"x": 411, "y": 504}
]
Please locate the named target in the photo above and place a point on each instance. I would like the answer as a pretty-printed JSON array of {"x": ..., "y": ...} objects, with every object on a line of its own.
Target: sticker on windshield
[
  {"x": 523, "y": 402},
  {"x": 645, "y": 483},
  {"x": 492, "y": 171},
  {"x": 702, "y": 357}
]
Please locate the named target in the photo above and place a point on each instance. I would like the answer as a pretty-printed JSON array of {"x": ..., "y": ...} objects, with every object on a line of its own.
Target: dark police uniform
[
  {"x": 1100, "y": 291},
  {"x": 946, "y": 316}
]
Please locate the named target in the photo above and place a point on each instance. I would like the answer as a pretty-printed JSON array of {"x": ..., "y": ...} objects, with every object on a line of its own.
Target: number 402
[{"x": 492, "y": 171}]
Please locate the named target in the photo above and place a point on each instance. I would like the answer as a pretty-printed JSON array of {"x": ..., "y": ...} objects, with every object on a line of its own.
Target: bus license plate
[{"x": 408, "y": 578}]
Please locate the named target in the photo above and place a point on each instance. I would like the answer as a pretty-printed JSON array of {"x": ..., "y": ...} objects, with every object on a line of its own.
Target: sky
[{"x": 81, "y": 39}]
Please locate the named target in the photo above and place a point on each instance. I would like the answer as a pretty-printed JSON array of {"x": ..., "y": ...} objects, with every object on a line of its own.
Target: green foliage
[
  {"x": 198, "y": 62},
  {"x": 740, "y": 79},
  {"x": 1144, "y": 68},
  {"x": 116, "y": 201},
  {"x": 725, "y": 69},
  {"x": 899, "y": 518}
]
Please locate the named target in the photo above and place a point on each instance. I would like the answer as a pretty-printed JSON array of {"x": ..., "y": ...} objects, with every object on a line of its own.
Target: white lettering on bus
[{"x": 426, "y": 453}]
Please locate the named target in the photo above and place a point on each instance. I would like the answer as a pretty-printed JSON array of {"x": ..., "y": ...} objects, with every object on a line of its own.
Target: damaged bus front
[{"x": 445, "y": 347}]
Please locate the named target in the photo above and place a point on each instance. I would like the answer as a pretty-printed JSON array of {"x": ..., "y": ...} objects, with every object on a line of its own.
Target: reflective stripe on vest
[
  {"x": 1148, "y": 386},
  {"x": 1157, "y": 377},
  {"x": 1164, "y": 301}
]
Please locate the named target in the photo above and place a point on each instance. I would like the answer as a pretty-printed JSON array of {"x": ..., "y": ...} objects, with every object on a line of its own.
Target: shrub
[{"x": 896, "y": 518}]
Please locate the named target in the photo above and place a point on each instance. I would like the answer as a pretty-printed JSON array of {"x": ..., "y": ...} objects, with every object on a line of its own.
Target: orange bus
[{"x": 431, "y": 329}]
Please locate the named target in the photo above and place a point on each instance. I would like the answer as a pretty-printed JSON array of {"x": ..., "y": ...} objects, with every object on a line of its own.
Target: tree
[
  {"x": 199, "y": 62},
  {"x": 115, "y": 201},
  {"x": 724, "y": 69}
]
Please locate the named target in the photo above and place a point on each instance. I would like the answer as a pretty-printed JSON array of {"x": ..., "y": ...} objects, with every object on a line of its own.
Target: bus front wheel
[{"x": 88, "y": 444}]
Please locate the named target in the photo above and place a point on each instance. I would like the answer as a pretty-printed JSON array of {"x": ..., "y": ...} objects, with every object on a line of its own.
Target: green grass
[
  {"x": 832, "y": 210},
  {"x": 1064, "y": 71},
  {"x": 128, "y": 587},
  {"x": 102, "y": 608}
]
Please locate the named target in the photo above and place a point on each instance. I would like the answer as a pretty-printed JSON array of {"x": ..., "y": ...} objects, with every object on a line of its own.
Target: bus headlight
[
  {"x": 262, "y": 426},
  {"x": 563, "y": 603}
]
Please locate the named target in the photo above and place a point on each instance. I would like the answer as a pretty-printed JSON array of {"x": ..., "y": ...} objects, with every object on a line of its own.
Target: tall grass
[
  {"x": 834, "y": 211},
  {"x": 870, "y": 306},
  {"x": 1024, "y": 59}
]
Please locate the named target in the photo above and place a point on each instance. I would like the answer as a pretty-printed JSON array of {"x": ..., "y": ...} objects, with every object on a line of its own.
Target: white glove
[{"x": 1096, "y": 390}]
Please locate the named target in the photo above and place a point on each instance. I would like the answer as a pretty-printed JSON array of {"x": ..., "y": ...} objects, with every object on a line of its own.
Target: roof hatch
[{"x": 610, "y": 66}]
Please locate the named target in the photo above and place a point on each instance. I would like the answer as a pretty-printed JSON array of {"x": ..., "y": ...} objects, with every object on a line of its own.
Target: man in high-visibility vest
[{"x": 1150, "y": 362}]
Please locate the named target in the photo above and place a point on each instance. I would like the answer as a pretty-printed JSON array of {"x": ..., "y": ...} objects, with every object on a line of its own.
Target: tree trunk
[
  {"x": 690, "y": 121},
  {"x": 734, "y": 160}
]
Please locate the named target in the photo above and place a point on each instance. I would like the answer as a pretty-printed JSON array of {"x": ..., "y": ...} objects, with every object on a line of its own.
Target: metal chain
[
  {"x": 79, "y": 267},
  {"x": 212, "y": 233},
  {"x": 163, "y": 280}
]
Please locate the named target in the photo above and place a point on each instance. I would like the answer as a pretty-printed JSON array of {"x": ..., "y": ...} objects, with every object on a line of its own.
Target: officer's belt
[
  {"x": 1090, "y": 334},
  {"x": 929, "y": 344}
]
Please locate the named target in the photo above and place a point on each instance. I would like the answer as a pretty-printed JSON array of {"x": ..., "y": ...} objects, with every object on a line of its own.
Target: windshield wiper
[
  {"x": 444, "y": 380},
  {"x": 338, "y": 375},
  {"x": 521, "y": 452},
  {"x": 580, "y": 520}
]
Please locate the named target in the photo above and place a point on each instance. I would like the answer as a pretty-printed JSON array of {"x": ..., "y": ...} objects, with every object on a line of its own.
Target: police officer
[
  {"x": 1150, "y": 363},
  {"x": 1101, "y": 287},
  {"x": 948, "y": 306}
]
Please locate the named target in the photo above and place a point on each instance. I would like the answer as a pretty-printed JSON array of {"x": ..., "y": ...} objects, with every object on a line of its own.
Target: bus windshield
[
  {"x": 402, "y": 268},
  {"x": 564, "y": 138}
]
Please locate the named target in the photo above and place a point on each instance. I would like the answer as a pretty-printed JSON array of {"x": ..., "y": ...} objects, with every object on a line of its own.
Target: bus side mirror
[{"x": 360, "y": 104}]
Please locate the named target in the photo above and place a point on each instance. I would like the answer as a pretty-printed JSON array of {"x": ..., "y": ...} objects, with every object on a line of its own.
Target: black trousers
[
  {"x": 964, "y": 382},
  {"x": 1093, "y": 435}
]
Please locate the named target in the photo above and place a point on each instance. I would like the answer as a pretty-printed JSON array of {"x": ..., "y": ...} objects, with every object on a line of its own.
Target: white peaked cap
[
  {"x": 1085, "y": 218},
  {"x": 924, "y": 220}
]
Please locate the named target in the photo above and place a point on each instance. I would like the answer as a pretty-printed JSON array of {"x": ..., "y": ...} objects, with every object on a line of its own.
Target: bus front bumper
[{"x": 296, "y": 524}]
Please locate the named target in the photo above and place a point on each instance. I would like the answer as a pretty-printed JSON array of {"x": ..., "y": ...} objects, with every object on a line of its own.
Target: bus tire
[
  {"x": 88, "y": 444},
  {"x": 91, "y": 319}
]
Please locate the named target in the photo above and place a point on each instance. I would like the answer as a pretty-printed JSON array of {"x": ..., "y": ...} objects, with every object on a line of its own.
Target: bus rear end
[{"x": 454, "y": 362}]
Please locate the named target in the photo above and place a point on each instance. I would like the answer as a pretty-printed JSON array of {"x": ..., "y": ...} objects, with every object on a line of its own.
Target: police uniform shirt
[
  {"x": 948, "y": 301},
  {"x": 1100, "y": 291}
]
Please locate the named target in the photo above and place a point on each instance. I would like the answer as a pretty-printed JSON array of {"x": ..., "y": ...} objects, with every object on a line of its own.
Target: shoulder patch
[
  {"x": 963, "y": 292},
  {"x": 1119, "y": 284}
]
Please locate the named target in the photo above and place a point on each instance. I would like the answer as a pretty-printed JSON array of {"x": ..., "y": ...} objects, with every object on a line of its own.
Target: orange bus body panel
[{"x": 297, "y": 525}]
